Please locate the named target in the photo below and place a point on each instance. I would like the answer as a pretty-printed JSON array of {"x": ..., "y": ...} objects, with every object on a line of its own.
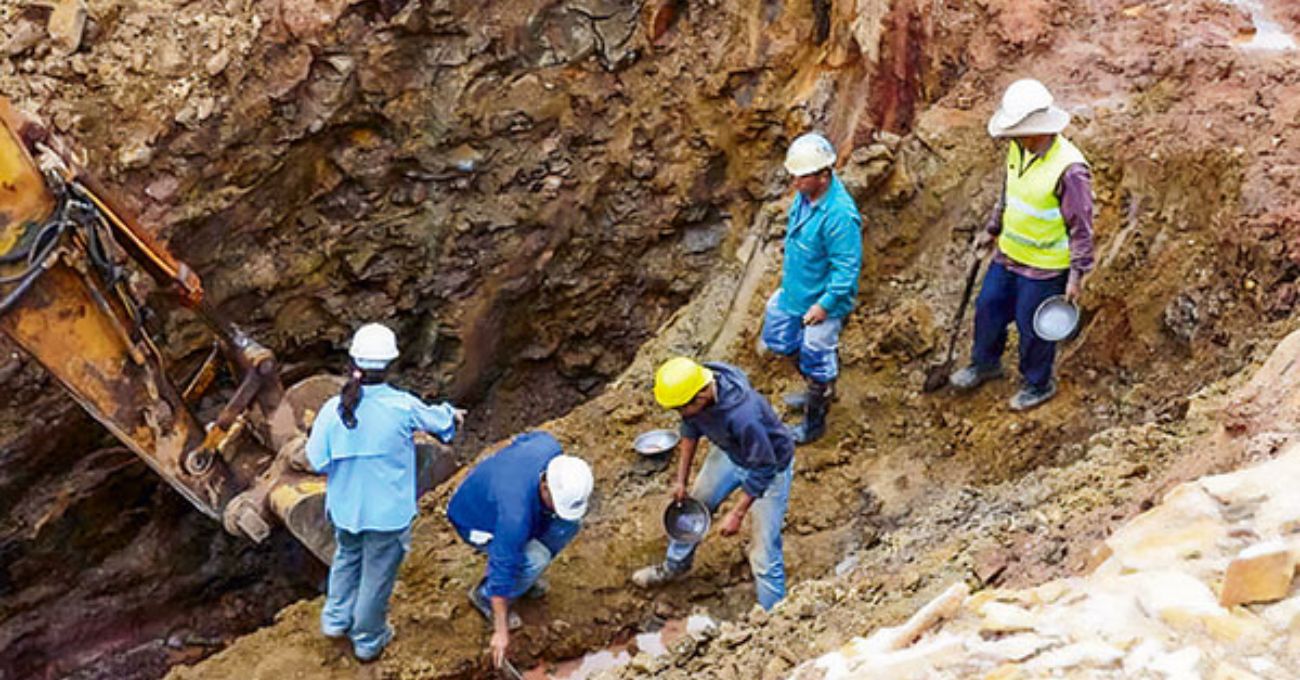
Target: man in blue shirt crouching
[
  {"x": 521, "y": 506},
  {"x": 752, "y": 451}
]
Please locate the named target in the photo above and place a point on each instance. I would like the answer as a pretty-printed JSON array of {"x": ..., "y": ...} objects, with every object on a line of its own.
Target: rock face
[
  {"x": 525, "y": 190},
  {"x": 530, "y": 190}
]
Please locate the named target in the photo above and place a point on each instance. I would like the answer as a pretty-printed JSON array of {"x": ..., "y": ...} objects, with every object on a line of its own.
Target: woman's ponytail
[{"x": 350, "y": 397}]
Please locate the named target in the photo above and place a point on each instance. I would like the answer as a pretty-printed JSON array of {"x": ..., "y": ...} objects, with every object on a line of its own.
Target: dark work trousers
[{"x": 1006, "y": 297}]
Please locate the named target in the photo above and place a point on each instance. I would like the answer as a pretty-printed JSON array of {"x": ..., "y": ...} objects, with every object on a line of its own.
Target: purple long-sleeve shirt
[{"x": 1074, "y": 190}]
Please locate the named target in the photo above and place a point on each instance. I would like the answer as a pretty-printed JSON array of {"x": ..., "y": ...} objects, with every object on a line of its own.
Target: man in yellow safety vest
[{"x": 1043, "y": 231}]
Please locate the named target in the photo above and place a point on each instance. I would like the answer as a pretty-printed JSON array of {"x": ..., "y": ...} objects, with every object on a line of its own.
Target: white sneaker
[{"x": 655, "y": 575}]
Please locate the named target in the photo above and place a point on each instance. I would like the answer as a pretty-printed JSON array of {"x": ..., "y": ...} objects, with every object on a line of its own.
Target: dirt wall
[
  {"x": 526, "y": 191},
  {"x": 1189, "y": 140}
]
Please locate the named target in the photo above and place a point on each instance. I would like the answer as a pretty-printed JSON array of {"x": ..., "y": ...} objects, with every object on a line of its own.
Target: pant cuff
[{"x": 678, "y": 567}]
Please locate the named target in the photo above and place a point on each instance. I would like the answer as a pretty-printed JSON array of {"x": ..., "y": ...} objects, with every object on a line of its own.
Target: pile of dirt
[{"x": 1199, "y": 585}]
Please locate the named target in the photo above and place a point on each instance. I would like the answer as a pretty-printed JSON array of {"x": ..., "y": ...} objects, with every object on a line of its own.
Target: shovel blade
[
  {"x": 937, "y": 377},
  {"x": 508, "y": 671}
]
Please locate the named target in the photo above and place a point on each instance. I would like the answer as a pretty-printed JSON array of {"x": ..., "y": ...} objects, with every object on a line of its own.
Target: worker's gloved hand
[
  {"x": 459, "y": 415},
  {"x": 500, "y": 642},
  {"x": 983, "y": 243}
]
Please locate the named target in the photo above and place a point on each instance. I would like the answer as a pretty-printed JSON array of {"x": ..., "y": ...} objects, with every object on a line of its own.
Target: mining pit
[{"x": 547, "y": 198}]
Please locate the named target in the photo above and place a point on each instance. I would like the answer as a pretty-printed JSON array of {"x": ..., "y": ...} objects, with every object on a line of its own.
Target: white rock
[
  {"x": 999, "y": 617},
  {"x": 1087, "y": 654},
  {"x": 1184, "y": 664}
]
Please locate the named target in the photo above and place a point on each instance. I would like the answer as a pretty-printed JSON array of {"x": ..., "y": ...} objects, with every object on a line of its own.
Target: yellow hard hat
[{"x": 678, "y": 381}]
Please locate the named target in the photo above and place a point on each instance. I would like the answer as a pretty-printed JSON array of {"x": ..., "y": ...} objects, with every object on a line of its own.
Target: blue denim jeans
[
  {"x": 538, "y": 552},
  {"x": 361, "y": 581},
  {"x": 785, "y": 334},
  {"x": 719, "y": 477},
  {"x": 1006, "y": 297}
]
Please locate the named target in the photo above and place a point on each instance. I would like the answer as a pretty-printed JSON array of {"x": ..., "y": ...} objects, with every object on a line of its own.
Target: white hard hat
[
  {"x": 373, "y": 346},
  {"x": 1028, "y": 108},
  {"x": 569, "y": 480},
  {"x": 808, "y": 154}
]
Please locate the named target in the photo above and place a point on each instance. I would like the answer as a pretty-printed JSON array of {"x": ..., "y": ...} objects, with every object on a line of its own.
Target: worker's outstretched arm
[
  {"x": 505, "y": 568},
  {"x": 1075, "y": 193},
  {"x": 686, "y": 457},
  {"x": 440, "y": 420},
  {"x": 500, "y": 629},
  {"x": 756, "y": 448}
]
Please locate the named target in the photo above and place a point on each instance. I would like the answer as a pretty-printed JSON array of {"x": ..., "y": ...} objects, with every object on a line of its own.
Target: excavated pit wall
[
  {"x": 529, "y": 197},
  {"x": 909, "y": 492},
  {"x": 525, "y": 190}
]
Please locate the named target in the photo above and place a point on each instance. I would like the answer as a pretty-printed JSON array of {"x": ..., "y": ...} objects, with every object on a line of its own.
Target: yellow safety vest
[{"x": 1033, "y": 230}]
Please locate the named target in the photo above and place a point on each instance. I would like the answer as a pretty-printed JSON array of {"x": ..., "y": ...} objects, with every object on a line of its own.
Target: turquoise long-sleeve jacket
[{"x": 823, "y": 253}]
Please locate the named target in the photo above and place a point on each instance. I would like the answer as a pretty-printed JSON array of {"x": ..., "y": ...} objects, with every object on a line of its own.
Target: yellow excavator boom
[{"x": 65, "y": 255}]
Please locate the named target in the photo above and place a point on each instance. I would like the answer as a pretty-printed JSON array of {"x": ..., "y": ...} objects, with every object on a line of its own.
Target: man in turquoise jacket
[{"x": 819, "y": 281}]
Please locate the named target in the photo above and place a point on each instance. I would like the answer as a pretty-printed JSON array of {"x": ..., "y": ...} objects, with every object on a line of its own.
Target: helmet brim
[
  {"x": 803, "y": 170},
  {"x": 669, "y": 404},
  {"x": 1049, "y": 121},
  {"x": 572, "y": 514}
]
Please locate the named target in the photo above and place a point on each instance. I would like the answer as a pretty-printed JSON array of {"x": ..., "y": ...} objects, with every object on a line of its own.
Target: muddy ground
[{"x": 1191, "y": 138}]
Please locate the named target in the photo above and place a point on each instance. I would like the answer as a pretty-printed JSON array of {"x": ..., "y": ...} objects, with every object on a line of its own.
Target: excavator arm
[{"x": 66, "y": 256}]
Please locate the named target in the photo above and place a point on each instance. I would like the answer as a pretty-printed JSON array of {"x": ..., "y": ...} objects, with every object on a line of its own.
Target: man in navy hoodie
[
  {"x": 521, "y": 506},
  {"x": 752, "y": 450}
]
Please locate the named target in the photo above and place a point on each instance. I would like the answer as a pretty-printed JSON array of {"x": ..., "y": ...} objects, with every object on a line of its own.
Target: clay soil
[{"x": 1192, "y": 142}]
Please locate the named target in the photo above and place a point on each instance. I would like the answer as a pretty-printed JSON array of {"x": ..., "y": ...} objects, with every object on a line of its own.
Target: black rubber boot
[
  {"x": 814, "y": 413},
  {"x": 799, "y": 400}
]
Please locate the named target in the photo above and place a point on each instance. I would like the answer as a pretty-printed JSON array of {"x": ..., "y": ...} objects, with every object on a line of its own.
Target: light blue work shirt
[
  {"x": 823, "y": 253},
  {"x": 371, "y": 469}
]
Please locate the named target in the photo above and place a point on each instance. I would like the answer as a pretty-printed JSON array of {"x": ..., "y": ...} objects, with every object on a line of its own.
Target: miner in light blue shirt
[
  {"x": 363, "y": 441},
  {"x": 819, "y": 279}
]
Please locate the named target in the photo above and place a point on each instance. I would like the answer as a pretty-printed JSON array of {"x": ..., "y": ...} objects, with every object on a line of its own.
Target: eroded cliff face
[
  {"x": 532, "y": 191},
  {"x": 525, "y": 190},
  {"x": 1189, "y": 137}
]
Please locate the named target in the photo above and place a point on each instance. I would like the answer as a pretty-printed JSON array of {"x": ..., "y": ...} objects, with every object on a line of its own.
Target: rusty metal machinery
[{"x": 67, "y": 255}]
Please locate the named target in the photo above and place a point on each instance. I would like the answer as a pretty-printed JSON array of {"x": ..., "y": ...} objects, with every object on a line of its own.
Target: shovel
[
  {"x": 938, "y": 374},
  {"x": 508, "y": 671}
]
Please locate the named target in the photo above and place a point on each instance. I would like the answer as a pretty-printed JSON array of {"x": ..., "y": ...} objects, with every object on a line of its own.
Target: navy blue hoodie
[{"x": 742, "y": 423}]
